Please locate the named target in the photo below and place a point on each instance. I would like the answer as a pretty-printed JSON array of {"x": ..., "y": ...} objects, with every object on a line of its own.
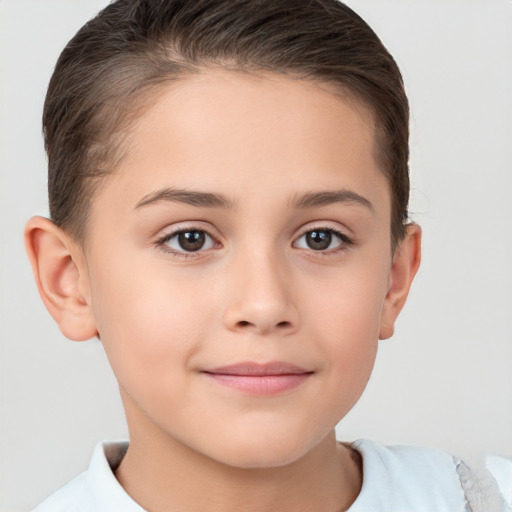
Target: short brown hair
[{"x": 133, "y": 45}]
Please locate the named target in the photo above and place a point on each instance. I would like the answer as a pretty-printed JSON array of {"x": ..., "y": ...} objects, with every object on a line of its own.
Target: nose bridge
[{"x": 260, "y": 292}]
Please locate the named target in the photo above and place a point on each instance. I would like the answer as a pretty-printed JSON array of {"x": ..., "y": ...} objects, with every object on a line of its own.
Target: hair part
[{"x": 108, "y": 71}]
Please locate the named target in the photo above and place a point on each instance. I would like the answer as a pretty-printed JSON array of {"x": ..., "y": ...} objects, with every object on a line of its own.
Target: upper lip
[{"x": 258, "y": 369}]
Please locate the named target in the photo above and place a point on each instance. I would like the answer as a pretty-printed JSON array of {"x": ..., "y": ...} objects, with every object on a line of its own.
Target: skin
[{"x": 256, "y": 292}]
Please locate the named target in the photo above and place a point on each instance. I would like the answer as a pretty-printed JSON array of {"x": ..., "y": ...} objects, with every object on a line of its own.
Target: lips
[{"x": 259, "y": 379}]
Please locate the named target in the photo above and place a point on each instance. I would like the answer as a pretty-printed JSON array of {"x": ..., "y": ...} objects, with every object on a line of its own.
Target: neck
[{"x": 162, "y": 474}]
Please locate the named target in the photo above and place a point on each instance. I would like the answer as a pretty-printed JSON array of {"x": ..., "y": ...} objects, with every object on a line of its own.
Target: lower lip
[{"x": 263, "y": 385}]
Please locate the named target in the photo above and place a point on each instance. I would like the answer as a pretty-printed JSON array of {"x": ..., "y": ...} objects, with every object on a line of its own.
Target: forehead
[
  {"x": 216, "y": 129},
  {"x": 239, "y": 104}
]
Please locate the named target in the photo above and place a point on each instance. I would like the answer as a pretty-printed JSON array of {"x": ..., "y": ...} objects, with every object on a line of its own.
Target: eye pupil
[
  {"x": 191, "y": 240},
  {"x": 319, "y": 240}
]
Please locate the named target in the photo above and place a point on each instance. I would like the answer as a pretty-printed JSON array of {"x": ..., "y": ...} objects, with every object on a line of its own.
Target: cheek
[
  {"x": 349, "y": 300},
  {"x": 345, "y": 313},
  {"x": 147, "y": 319}
]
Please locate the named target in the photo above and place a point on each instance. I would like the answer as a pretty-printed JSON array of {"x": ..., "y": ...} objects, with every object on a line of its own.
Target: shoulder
[
  {"x": 96, "y": 488},
  {"x": 501, "y": 470},
  {"x": 67, "y": 498},
  {"x": 413, "y": 479}
]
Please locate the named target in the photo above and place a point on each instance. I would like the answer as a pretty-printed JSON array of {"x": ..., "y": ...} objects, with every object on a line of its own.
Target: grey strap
[{"x": 480, "y": 490}]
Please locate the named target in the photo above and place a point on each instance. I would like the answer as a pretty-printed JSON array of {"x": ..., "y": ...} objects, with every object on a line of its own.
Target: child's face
[{"x": 258, "y": 176}]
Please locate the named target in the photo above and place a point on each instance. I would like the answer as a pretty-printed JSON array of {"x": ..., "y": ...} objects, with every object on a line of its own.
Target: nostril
[
  {"x": 263, "y": 327},
  {"x": 281, "y": 325}
]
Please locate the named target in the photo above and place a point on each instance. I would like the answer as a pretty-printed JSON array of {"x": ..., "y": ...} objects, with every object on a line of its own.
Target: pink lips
[{"x": 259, "y": 379}]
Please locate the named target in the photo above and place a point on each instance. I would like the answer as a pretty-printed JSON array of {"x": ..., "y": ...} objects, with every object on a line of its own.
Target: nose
[{"x": 261, "y": 296}]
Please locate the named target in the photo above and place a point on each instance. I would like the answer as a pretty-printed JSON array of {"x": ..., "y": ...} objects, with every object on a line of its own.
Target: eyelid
[
  {"x": 325, "y": 225},
  {"x": 187, "y": 225}
]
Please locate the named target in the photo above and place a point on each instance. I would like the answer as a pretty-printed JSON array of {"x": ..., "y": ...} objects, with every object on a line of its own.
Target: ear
[
  {"x": 406, "y": 262},
  {"x": 59, "y": 270}
]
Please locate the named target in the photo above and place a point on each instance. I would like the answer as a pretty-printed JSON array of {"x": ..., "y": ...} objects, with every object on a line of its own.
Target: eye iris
[
  {"x": 318, "y": 240},
  {"x": 191, "y": 240}
]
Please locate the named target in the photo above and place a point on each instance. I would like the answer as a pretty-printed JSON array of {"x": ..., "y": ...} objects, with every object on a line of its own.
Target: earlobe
[
  {"x": 60, "y": 276},
  {"x": 406, "y": 262}
]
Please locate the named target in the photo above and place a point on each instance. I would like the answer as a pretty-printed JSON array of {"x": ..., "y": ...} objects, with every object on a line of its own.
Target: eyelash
[
  {"x": 161, "y": 243},
  {"x": 345, "y": 241}
]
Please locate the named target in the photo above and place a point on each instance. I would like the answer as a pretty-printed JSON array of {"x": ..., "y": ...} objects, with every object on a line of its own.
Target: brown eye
[
  {"x": 188, "y": 240},
  {"x": 322, "y": 240},
  {"x": 191, "y": 240},
  {"x": 318, "y": 240}
]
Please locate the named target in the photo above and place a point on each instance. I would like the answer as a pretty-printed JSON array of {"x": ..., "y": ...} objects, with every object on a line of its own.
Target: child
[{"x": 228, "y": 187}]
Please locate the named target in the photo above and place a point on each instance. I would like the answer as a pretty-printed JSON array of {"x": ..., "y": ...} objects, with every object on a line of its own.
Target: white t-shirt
[{"x": 395, "y": 479}]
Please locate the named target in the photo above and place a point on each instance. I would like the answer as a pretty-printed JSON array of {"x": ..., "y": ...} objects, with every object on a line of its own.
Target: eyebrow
[
  {"x": 326, "y": 198},
  {"x": 193, "y": 198},
  {"x": 211, "y": 200}
]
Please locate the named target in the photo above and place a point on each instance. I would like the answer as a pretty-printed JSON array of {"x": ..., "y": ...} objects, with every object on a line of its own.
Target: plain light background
[{"x": 444, "y": 380}]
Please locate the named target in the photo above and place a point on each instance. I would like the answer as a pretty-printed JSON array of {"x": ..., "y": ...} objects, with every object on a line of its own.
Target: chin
[{"x": 262, "y": 453}]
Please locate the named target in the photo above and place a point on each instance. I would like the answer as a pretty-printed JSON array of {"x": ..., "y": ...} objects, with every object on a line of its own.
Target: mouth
[{"x": 259, "y": 379}]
